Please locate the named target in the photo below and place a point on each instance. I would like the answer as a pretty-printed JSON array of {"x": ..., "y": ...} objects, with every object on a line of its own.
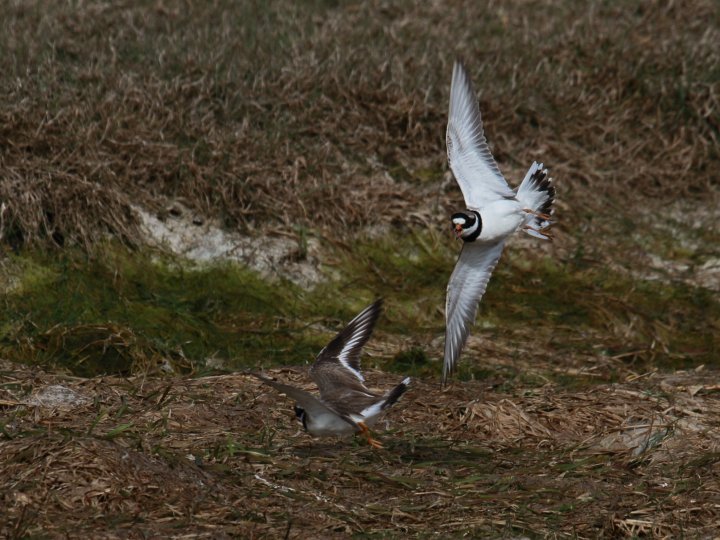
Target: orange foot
[
  {"x": 546, "y": 217},
  {"x": 365, "y": 431},
  {"x": 546, "y": 234}
]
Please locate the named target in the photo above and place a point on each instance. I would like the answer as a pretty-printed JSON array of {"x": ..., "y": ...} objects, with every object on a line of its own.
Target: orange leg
[
  {"x": 365, "y": 431},
  {"x": 546, "y": 234},
  {"x": 538, "y": 214}
]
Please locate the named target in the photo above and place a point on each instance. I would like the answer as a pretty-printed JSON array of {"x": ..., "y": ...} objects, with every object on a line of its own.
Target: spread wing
[
  {"x": 468, "y": 154},
  {"x": 338, "y": 364},
  {"x": 312, "y": 405},
  {"x": 465, "y": 289}
]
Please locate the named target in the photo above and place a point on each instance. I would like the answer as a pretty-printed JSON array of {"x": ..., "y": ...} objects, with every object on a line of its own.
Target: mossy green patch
[
  {"x": 409, "y": 269},
  {"x": 120, "y": 311},
  {"x": 568, "y": 305},
  {"x": 673, "y": 324},
  {"x": 413, "y": 361}
]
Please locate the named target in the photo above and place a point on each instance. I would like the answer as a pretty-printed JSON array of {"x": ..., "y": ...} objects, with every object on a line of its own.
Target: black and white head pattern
[{"x": 467, "y": 225}]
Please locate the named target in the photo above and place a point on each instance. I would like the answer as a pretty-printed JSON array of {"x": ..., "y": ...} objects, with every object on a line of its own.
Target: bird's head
[{"x": 466, "y": 225}]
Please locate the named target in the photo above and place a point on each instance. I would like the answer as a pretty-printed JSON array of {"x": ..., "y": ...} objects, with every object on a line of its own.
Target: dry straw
[
  {"x": 333, "y": 118},
  {"x": 224, "y": 456}
]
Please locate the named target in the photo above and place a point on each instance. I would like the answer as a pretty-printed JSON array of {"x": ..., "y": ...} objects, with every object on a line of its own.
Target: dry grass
[
  {"x": 317, "y": 115},
  {"x": 222, "y": 456}
]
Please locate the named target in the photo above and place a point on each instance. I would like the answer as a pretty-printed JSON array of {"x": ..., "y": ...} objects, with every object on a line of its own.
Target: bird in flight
[
  {"x": 345, "y": 405},
  {"x": 493, "y": 212}
]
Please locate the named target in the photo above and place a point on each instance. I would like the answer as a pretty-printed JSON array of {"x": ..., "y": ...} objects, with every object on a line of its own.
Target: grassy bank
[{"x": 121, "y": 311}]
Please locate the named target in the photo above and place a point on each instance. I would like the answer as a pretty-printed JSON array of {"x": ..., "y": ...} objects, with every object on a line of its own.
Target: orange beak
[{"x": 458, "y": 230}]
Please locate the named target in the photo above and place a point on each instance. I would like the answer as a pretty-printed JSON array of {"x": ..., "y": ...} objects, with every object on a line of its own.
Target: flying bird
[
  {"x": 345, "y": 405},
  {"x": 494, "y": 212}
]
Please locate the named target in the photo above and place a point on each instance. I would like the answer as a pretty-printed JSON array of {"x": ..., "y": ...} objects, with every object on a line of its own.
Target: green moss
[
  {"x": 409, "y": 269},
  {"x": 123, "y": 311},
  {"x": 413, "y": 361},
  {"x": 675, "y": 324},
  {"x": 571, "y": 306},
  {"x": 120, "y": 310}
]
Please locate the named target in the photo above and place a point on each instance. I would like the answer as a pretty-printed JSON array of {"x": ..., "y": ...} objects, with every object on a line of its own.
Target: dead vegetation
[
  {"x": 223, "y": 457},
  {"x": 332, "y": 117}
]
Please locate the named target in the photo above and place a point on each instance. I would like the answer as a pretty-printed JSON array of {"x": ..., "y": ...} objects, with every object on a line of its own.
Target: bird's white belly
[
  {"x": 328, "y": 425},
  {"x": 500, "y": 219}
]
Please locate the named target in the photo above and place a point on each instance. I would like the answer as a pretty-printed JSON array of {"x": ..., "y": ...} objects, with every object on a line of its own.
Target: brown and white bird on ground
[
  {"x": 494, "y": 212},
  {"x": 345, "y": 405}
]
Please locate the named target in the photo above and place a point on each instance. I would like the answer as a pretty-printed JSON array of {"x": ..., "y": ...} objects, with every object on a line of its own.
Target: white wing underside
[
  {"x": 342, "y": 354},
  {"x": 465, "y": 289},
  {"x": 373, "y": 410},
  {"x": 470, "y": 159},
  {"x": 343, "y": 357}
]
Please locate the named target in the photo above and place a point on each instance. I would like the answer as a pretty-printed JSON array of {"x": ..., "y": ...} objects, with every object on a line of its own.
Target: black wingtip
[
  {"x": 374, "y": 309},
  {"x": 359, "y": 330},
  {"x": 396, "y": 392},
  {"x": 373, "y": 312}
]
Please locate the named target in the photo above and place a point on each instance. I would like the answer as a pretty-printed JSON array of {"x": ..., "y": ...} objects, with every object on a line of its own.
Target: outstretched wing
[
  {"x": 338, "y": 364},
  {"x": 312, "y": 405},
  {"x": 465, "y": 289},
  {"x": 468, "y": 154}
]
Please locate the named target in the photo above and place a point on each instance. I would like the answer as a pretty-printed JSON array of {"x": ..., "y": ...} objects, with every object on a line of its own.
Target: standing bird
[
  {"x": 346, "y": 405},
  {"x": 494, "y": 212}
]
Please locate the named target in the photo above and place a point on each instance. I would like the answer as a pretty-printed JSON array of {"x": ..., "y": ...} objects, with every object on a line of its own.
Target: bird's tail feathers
[
  {"x": 394, "y": 394},
  {"x": 537, "y": 193},
  {"x": 387, "y": 401}
]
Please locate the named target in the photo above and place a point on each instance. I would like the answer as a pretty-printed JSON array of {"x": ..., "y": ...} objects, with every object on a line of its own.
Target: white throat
[{"x": 327, "y": 425}]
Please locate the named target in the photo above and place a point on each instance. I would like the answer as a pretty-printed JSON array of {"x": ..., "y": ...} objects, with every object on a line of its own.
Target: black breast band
[{"x": 474, "y": 236}]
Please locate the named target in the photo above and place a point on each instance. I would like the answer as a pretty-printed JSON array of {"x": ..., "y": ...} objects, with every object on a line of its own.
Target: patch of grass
[
  {"x": 122, "y": 311},
  {"x": 324, "y": 118},
  {"x": 412, "y": 361},
  {"x": 503, "y": 377},
  {"x": 674, "y": 324},
  {"x": 567, "y": 305},
  {"x": 228, "y": 439},
  {"x": 409, "y": 269}
]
